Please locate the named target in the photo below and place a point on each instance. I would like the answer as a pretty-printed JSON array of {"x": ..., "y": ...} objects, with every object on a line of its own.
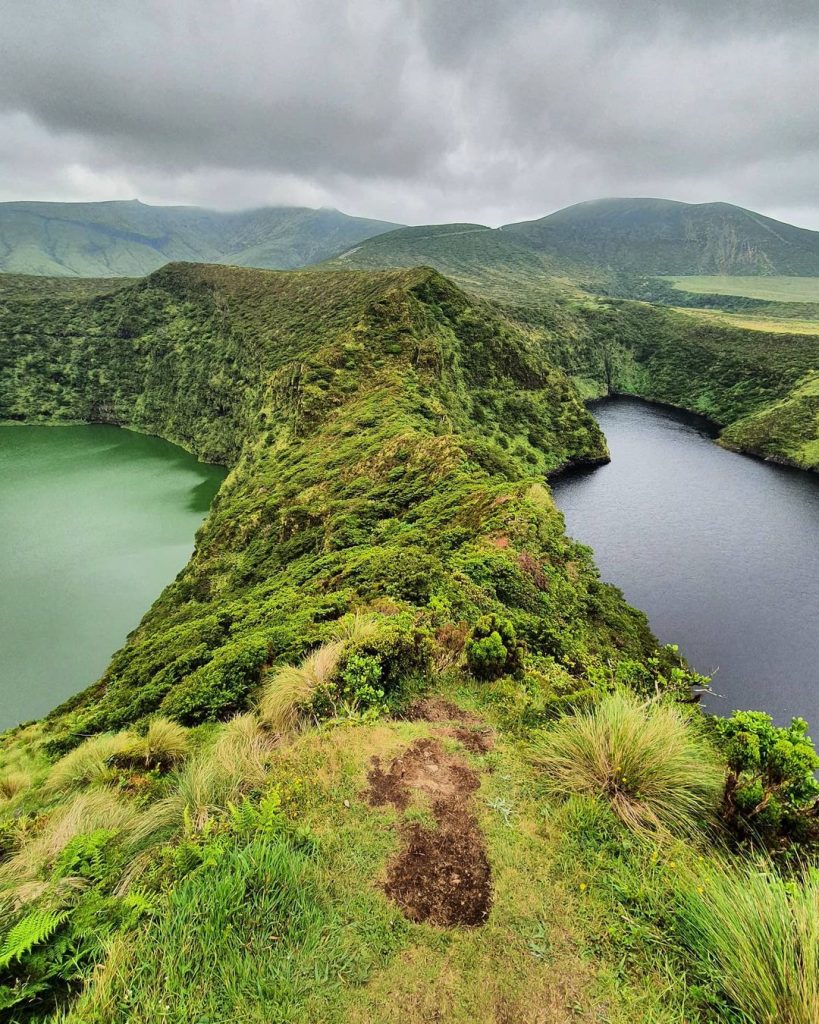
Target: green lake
[{"x": 94, "y": 522}]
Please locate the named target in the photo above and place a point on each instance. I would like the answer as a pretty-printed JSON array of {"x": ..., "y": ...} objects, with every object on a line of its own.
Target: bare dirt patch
[
  {"x": 471, "y": 731},
  {"x": 436, "y": 709},
  {"x": 477, "y": 740},
  {"x": 442, "y": 874}
]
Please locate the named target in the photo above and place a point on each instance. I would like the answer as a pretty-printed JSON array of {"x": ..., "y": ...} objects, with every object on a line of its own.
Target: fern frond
[{"x": 29, "y": 932}]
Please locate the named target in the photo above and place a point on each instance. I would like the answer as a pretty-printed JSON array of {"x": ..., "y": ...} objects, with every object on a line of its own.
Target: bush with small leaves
[
  {"x": 493, "y": 649},
  {"x": 771, "y": 792}
]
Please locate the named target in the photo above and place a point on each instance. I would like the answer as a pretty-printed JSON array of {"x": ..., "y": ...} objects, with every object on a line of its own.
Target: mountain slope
[
  {"x": 659, "y": 236},
  {"x": 479, "y": 258},
  {"x": 129, "y": 239}
]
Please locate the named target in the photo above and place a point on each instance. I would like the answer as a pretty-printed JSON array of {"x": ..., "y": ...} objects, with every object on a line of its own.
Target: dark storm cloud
[{"x": 411, "y": 109}]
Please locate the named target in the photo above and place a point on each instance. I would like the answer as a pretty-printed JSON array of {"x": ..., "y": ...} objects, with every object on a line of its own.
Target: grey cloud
[{"x": 411, "y": 109}]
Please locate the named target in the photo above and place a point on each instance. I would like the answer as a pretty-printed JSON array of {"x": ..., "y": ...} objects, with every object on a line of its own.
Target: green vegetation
[
  {"x": 383, "y": 596},
  {"x": 770, "y": 289},
  {"x": 666, "y": 238},
  {"x": 761, "y": 932},
  {"x": 643, "y": 757},
  {"x": 750, "y": 382},
  {"x": 772, "y": 788},
  {"x": 128, "y": 239}
]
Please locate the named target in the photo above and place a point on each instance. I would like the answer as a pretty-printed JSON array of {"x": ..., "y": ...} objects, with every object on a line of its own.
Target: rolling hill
[
  {"x": 660, "y": 236},
  {"x": 129, "y": 239},
  {"x": 480, "y": 258}
]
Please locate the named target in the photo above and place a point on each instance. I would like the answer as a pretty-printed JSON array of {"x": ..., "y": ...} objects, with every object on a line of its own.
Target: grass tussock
[
  {"x": 759, "y": 934},
  {"x": 90, "y": 762},
  {"x": 236, "y": 763},
  {"x": 14, "y": 782},
  {"x": 288, "y": 693},
  {"x": 644, "y": 757},
  {"x": 165, "y": 743},
  {"x": 84, "y": 813}
]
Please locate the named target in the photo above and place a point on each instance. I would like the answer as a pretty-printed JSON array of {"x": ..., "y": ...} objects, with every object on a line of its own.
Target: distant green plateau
[{"x": 772, "y": 289}]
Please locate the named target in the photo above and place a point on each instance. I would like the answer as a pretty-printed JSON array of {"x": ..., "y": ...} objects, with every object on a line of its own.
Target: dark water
[
  {"x": 94, "y": 522},
  {"x": 720, "y": 550}
]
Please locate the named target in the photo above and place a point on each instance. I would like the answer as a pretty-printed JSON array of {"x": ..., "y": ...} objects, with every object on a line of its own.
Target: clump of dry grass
[
  {"x": 90, "y": 762},
  {"x": 355, "y": 628},
  {"x": 290, "y": 690},
  {"x": 85, "y": 812},
  {"x": 236, "y": 763},
  {"x": 164, "y": 744},
  {"x": 644, "y": 757},
  {"x": 14, "y": 782}
]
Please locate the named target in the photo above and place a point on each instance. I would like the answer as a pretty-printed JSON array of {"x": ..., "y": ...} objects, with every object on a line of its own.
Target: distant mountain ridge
[
  {"x": 581, "y": 243},
  {"x": 661, "y": 236},
  {"x": 130, "y": 238}
]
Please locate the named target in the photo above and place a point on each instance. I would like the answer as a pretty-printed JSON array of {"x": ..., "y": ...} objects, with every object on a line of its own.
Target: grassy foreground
[{"x": 372, "y": 755}]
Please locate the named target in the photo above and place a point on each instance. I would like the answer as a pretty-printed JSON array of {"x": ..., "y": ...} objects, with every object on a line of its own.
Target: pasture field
[
  {"x": 772, "y": 289},
  {"x": 750, "y": 322}
]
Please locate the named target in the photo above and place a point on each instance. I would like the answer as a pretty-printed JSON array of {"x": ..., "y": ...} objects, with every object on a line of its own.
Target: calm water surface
[
  {"x": 94, "y": 522},
  {"x": 720, "y": 550}
]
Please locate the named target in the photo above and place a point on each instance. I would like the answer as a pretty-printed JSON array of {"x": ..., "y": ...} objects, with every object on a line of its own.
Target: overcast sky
[{"x": 412, "y": 110}]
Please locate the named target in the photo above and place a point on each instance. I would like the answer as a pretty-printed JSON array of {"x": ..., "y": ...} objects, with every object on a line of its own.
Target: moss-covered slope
[{"x": 385, "y": 432}]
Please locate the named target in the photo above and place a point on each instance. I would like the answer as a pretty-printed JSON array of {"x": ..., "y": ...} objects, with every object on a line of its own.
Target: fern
[{"x": 29, "y": 932}]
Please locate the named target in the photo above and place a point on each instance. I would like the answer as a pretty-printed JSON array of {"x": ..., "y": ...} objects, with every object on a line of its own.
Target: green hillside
[
  {"x": 480, "y": 258},
  {"x": 129, "y": 239},
  {"x": 387, "y": 749},
  {"x": 662, "y": 237},
  {"x": 606, "y": 344}
]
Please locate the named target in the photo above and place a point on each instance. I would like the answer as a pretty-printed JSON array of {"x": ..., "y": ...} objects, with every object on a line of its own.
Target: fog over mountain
[{"x": 411, "y": 110}]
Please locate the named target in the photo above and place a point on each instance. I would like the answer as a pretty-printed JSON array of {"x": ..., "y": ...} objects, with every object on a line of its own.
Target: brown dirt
[
  {"x": 442, "y": 874},
  {"x": 477, "y": 740},
  {"x": 471, "y": 731},
  {"x": 436, "y": 709}
]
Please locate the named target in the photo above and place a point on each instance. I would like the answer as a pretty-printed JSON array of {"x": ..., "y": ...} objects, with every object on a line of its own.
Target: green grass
[
  {"x": 755, "y": 322},
  {"x": 645, "y": 758},
  {"x": 772, "y": 289},
  {"x": 759, "y": 934}
]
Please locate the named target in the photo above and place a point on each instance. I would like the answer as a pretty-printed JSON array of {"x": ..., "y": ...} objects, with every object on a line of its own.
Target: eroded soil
[{"x": 442, "y": 874}]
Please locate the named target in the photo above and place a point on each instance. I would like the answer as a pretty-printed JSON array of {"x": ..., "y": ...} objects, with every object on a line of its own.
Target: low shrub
[
  {"x": 222, "y": 686},
  {"x": 644, "y": 757},
  {"x": 771, "y": 792},
  {"x": 493, "y": 649}
]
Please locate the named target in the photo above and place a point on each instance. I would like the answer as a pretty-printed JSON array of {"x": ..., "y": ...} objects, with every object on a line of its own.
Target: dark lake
[
  {"x": 720, "y": 550},
  {"x": 94, "y": 522}
]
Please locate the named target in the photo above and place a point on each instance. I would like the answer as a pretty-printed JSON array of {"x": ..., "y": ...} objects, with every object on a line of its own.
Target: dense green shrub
[
  {"x": 493, "y": 648},
  {"x": 771, "y": 792},
  {"x": 221, "y": 687}
]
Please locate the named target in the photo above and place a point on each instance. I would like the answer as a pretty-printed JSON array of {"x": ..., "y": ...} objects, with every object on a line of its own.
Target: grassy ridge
[
  {"x": 193, "y": 837},
  {"x": 383, "y": 429}
]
